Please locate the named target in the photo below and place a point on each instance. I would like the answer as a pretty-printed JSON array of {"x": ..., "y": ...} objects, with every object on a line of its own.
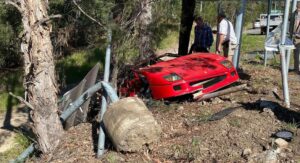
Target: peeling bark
[
  {"x": 39, "y": 80},
  {"x": 145, "y": 35}
]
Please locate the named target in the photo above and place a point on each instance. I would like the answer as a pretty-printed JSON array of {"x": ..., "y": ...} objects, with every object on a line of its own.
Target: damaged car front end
[{"x": 196, "y": 74}]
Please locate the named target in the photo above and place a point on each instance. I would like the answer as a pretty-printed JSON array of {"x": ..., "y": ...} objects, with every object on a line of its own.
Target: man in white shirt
[{"x": 226, "y": 37}]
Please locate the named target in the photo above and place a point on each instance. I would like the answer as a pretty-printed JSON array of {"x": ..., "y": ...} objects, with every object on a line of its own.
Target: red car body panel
[{"x": 199, "y": 73}]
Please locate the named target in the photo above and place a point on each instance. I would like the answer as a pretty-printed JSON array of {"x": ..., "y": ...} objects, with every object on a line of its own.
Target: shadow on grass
[
  {"x": 12, "y": 82},
  {"x": 10, "y": 87}
]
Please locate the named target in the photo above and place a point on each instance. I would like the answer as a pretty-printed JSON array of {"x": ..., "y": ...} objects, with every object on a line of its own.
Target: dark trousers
[{"x": 196, "y": 48}]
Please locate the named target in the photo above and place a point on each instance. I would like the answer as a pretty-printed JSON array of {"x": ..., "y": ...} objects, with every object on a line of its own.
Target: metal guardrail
[{"x": 72, "y": 108}]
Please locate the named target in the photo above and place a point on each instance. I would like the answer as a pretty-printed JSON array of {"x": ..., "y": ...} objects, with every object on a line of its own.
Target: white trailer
[{"x": 275, "y": 20}]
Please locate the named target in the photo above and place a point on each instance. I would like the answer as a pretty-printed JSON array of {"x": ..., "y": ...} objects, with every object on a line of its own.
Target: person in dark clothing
[{"x": 203, "y": 37}]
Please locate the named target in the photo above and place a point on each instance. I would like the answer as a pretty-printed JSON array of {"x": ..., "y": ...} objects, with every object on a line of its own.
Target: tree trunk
[
  {"x": 145, "y": 35},
  {"x": 187, "y": 17},
  {"x": 39, "y": 80}
]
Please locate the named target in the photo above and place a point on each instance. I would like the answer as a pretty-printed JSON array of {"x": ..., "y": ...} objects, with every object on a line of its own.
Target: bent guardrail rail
[{"x": 72, "y": 108}]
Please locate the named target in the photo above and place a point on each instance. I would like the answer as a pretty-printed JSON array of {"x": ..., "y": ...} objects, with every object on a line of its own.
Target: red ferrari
[{"x": 196, "y": 74}]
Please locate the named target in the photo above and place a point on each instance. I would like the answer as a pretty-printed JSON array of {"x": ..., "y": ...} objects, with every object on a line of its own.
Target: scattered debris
[
  {"x": 267, "y": 104},
  {"x": 271, "y": 156},
  {"x": 222, "y": 114},
  {"x": 180, "y": 108},
  {"x": 268, "y": 156},
  {"x": 275, "y": 93},
  {"x": 247, "y": 152},
  {"x": 281, "y": 143},
  {"x": 216, "y": 100},
  {"x": 223, "y": 92},
  {"x": 269, "y": 112},
  {"x": 203, "y": 103},
  {"x": 284, "y": 134}
]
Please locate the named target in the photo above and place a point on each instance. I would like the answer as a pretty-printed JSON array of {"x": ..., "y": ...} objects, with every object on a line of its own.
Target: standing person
[
  {"x": 226, "y": 37},
  {"x": 295, "y": 34},
  {"x": 203, "y": 37}
]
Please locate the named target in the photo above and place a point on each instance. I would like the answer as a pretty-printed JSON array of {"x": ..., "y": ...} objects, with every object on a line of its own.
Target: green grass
[
  {"x": 292, "y": 126},
  {"x": 204, "y": 116},
  {"x": 169, "y": 40},
  {"x": 252, "y": 43},
  {"x": 10, "y": 82},
  {"x": 74, "y": 67},
  {"x": 235, "y": 122},
  {"x": 21, "y": 143}
]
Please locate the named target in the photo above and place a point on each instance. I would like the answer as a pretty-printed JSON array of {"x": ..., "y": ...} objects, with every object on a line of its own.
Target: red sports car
[{"x": 196, "y": 74}]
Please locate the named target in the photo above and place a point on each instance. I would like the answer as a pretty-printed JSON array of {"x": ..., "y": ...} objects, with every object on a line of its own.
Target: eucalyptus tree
[{"x": 39, "y": 71}]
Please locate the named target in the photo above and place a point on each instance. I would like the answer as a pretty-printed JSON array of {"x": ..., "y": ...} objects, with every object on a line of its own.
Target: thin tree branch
[
  {"x": 44, "y": 20},
  {"x": 22, "y": 100},
  {"x": 13, "y": 3},
  {"x": 87, "y": 15}
]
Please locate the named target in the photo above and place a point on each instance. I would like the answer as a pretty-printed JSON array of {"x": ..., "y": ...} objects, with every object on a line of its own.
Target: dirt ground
[{"x": 245, "y": 135}]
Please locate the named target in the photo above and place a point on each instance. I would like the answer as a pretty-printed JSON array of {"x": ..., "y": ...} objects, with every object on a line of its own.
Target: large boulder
[{"x": 130, "y": 125}]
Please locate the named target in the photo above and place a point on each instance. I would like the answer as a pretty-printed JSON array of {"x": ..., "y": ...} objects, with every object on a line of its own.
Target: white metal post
[
  {"x": 268, "y": 28},
  {"x": 101, "y": 138},
  {"x": 238, "y": 32},
  {"x": 284, "y": 71}
]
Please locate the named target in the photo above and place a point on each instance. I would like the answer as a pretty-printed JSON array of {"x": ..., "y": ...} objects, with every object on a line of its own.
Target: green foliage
[
  {"x": 21, "y": 143},
  {"x": 73, "y": 68},
  {"x": 10, "y": 82},
  {"x": 209, "y": 10},
  {"x": 291, "y": 126},
  {"x": 166, "y": 21},
  {"x": 9, "y": 28},
  {"x": 169, "y": 40}
]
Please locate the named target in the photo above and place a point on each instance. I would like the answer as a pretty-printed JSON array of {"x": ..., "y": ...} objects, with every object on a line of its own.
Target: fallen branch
[
  {"x": 222, "y": 92},
  {"x": 87, "y": 15},
  {"x": 22, "y": 100}
]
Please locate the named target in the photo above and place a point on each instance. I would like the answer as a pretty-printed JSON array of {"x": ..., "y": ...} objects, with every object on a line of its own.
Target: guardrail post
[
  {"x": 283, "y": 51},
  {"x": 101, "y": 138},
  {"x": 238, "y": 31}
]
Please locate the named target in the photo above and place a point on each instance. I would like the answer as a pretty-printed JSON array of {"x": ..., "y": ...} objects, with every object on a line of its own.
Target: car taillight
[{"x": 172, "y": 77}]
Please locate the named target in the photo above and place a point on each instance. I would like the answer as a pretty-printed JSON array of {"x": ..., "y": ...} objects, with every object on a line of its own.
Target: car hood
[{"x": 189, "y": 67}]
